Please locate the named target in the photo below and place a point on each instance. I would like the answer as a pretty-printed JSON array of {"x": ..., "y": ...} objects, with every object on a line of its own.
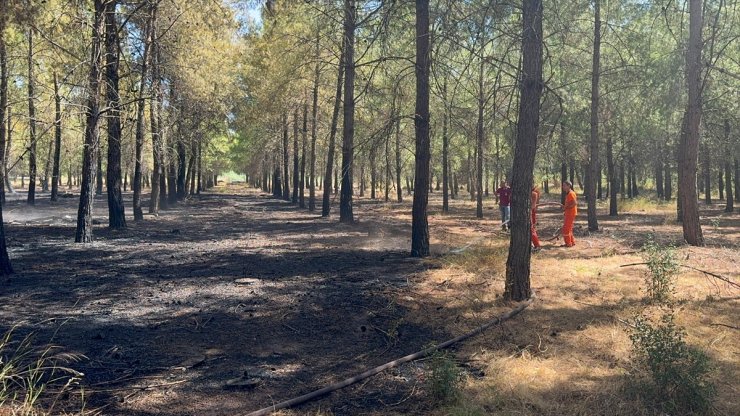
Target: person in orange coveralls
[
  {"x": 570, "y": 209},
  {"x": 535, "y": 197}
]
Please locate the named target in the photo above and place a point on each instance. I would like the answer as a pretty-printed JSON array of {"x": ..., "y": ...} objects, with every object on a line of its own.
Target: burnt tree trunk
[
  {"x": 139, "y": 145},
  {"x": 348, "y": 130},
  {"x": 314, "y": 117},
  {"x": 304, "y": 139},
  {"x": 57, "y": 140},
  {"x": 116, "y": 211},
  {"x": 286, "y": 159},
  {"x": 326, "y": 200},
  {"x": 419, "y": 222},
  {"x": 6, "y": 268},
  {"x": 31, "y": 200},
  {"x": 518, "y": 262},
  {"x": 154, "y": 118},
  {"x": 296, "y": 173},
  {"x": 84, "y": 231}
]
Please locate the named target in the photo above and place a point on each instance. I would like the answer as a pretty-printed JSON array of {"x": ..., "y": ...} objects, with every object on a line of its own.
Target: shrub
[
  {"x": 444, "y": 381},
  {"x": 678, "y": 373},
  {"x": 662, "y": 267}
]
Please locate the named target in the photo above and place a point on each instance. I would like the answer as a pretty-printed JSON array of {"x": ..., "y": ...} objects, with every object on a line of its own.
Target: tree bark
[
  {"x": 314, "y": 118},
  {"x": 57, "y": 140},
  {"x": 304, "y": 139},
  {"x": 667, "y": 186},
  {"x": 707, "y": 177},
  {"x": 31, "y": 200},
  {"x": 737, "y": 181},
  {"x": 690, "y": 141},
  {"x": 612, "y": 177},
  {"x": 139, "y": 146},
  {"x": 84, "y": 231},
  {"x": 399, "y": 188},
  {"x": 479, "y": 145},
  {"x": 593, "y": 163},
  {"x": 154, "y": 118},
  {"x": 445, "y": 151},
  {"x": 518, "y": 263},
  {"x": 286, "y": 158},
  {"x": 729, "y": 206},
  {"x": 419, "y": 222},
  {"x": 116, "y": 211},
  {"x": 326, "y": 203},
  {"x": 296, "y": 173},
  {"x": 6, "y": 268},
  {"x": 348, "y": 130}
]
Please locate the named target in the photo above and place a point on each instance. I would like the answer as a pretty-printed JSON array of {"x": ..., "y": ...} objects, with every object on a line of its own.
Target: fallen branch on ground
[
  {"x": 716, "y": 276},
  {"x": 423, "y": 353}
]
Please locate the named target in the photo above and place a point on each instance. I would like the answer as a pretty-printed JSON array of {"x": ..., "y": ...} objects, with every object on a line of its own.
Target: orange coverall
[
  {"x": 570, "y": 209},
  {"x": 533, "y": 231}
]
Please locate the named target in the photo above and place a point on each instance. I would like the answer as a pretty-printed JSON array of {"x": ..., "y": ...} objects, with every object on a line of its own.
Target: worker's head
[
  {"x": 567, "y": 186},
  {"x": 503, "y": 184}
]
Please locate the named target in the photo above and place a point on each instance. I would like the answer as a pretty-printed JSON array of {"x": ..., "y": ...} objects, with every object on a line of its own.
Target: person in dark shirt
[{"x": 503, "y": 197}]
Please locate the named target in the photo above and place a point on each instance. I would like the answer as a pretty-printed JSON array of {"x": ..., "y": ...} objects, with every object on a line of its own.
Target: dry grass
[{"x": 570, "y": 353}]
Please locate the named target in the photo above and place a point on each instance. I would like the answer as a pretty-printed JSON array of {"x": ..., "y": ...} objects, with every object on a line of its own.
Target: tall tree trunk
[
  {"x": 667, "y": 186},
  {"x": 6, "y": 156},
  {"x": 563, "y": 164},
  {"x": 3, "y": 111},
  {"x": 296, "y": 172},
  {"x": 154, "y": 118},
  {"x": 419, "y": 222},
  {"x": 721, "y": 184},
  {"x": 84, "y": 231},
  {"x": 286, "y": 158},
  {"x": 304, "y": 139},
  {"x": 612, "y": 176},
  {"x": 277, "y": 191},
  {"x": 688, "y": 150},
  {"x": 593, "y": 162},
  {"x": 373, "y": 170},
  {"x": 707, "y": 177},
  {"x": 348, "y": 130},
  {"x": 326, "y": 203},
  {"x": 445, "y": 151},
  {"x": 387, "y": 168},
  {"x": 518, "y": 262},
  {"x": 737, "y": 181},
  {"x": 32, "y": 124},
  {"x": 479, "y": 145},
  {"x": 200, "y": 165},
  {"x": 659, "y": 177},
  {"x": 116, "y": 212},
  {"x": 399, "y": 188},
  {"x": 314, "y": 117},
  {"x": 57, "y": 140},
  {"x": 138, "y": 212},
  {"x": 6, "y": 268},
  {"x": 729, "y": 206}
]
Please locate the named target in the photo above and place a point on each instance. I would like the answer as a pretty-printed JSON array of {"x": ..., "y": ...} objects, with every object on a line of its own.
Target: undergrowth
[
  {"x": 35, "y": 380},
  {"x": 662, "y": 267},
  {"x": 671, "y": 375}
]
